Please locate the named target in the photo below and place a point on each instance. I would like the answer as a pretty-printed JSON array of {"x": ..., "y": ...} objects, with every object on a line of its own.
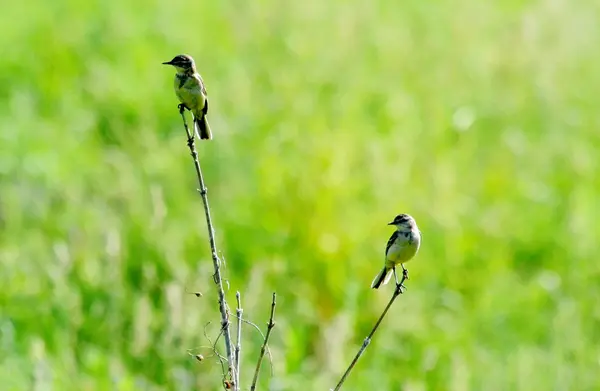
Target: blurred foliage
[{"x": 478, "y": 118}]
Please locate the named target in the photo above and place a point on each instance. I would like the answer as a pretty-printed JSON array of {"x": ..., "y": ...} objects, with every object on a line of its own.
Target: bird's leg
[
  {"x": 399, "y": 286},
  {"x": 404, "y": 272},
  {"x": 181, "y": 108}
]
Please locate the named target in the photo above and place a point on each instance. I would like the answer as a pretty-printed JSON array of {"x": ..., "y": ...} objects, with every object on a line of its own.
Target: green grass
[{"x": 479, "y": 119}]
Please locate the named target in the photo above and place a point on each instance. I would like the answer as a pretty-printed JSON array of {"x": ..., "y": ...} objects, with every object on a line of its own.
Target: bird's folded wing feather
[
  {"x": 391, "y": 241},
  {"x": 202, "y": 87}
]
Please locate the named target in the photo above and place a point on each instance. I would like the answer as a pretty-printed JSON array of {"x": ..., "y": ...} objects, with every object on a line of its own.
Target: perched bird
[
  {"x": 191, "y": 92},
  {"x": 402, "y": 246}
]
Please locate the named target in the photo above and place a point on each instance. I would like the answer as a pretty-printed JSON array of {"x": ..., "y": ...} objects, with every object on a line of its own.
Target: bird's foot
[
  {"x": 404, "y": 273},
  {"x": 181, "y": 108},
  {"x": 399, "y": 289}
]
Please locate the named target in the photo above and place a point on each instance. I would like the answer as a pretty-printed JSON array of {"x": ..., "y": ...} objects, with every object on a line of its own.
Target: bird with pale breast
[
  {"x": 190, "y": 89},
  {"x": 401, "y": 248}
]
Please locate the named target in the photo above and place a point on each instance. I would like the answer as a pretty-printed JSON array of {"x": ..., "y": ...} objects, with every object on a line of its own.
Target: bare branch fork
[
  {"x": 397, "y": 292},
  {"x": 225, "y": 325}
]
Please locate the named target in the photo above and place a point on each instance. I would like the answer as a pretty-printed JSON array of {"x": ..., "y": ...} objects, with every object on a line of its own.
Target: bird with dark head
[
  {"x": 401, "y": 248},
  {"x": 190, "y": 89}
]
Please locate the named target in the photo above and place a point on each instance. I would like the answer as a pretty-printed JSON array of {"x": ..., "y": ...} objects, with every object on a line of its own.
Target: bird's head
[
  {"x": 182, "y": 63},
  {"x": 404, "y": 222}
]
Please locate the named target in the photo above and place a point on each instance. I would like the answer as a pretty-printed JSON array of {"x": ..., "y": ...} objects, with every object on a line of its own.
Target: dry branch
[
  {"x": 264, "y": 347},
  {"x": 223, "y": 309},
  {"x": 367, "y": 341}
]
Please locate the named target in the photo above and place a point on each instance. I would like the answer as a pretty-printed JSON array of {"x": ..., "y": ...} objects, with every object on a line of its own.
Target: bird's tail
[
  {"x": 382, "y": 278},
  {"x": 202, "y": 128}
]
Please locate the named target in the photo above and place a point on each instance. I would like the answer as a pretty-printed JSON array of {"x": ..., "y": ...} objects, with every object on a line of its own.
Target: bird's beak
[
  {"x": 168, "y": 63},
  {"x": 390, "y": 223}
]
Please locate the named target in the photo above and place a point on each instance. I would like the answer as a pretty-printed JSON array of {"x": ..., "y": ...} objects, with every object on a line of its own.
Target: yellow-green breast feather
[
  {"x": 401, "y": 247},
  {"x": 191, "y": 92}
]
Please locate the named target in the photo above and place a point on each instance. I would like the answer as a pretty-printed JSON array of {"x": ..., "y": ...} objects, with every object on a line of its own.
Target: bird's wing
[
  {"x": 202, "y": 86},
  {"x": 391, "y": 241},
  {"x": 203, "y": 89}
]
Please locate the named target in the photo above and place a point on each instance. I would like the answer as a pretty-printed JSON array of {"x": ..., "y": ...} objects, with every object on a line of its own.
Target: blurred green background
[{"x": 478, "y": 118}]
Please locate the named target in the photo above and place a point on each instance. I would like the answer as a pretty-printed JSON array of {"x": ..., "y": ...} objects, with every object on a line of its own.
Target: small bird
[
  {"x": 191, "y": 92},
  {"x": 402, "y": 247}
]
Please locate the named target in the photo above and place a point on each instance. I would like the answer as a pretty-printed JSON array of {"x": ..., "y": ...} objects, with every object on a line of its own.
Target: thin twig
[
  {"x": 367, "y": 340},
  {"x": 238, "y": 346},
  {"x": 214, "y": 354},
  {"x": 263, "y": 337},
  {"x": 213, "y": 247},
  {"x": 263, "y": 348},
  {"x": 214, "y": 349}
]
